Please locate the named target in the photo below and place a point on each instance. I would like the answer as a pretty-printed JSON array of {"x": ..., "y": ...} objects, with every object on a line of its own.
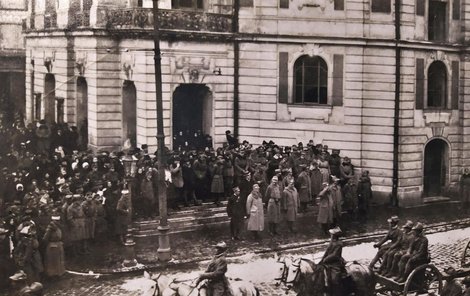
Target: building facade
[
  {"x": 13, "y": 14},
  {"x": 384, "y": 82}
]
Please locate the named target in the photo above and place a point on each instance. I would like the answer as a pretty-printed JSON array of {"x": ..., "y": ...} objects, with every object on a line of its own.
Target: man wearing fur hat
[{"x": 217, "y": 284}]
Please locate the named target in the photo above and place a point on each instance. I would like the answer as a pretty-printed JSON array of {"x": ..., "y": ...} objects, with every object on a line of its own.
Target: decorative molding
[
  {"x": 193, "y": 69},
  {"x": 437, "y": 117},
  {"x": 314, "y": 4},
  {"x": 80, "y": 62},
  {"x": 438, "y": 131},
  {"x": 312, "y": 49},
  {"x": 49, "y": 59},
  {"x": 128, "y": 64},
  {"x": 438, "y": 55}
]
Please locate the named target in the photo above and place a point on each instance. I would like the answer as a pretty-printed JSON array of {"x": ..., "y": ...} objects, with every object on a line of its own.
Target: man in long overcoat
[
  {"x": 236, "y": 211},
  {"x": 255, "y": 212},
  {"x": 325, "y": 208},
  {"x": 290, "y": 204},
  {"x": 273, "y": 195},
  {"x": 148, "y": 195},
  {"x": 316, "y": 180},
  {"x": 124, "y": 214},
  {"x": 76, "y": 221},
  {"x": 217, "y": 283},
  {"x": 304, "y": 189}
]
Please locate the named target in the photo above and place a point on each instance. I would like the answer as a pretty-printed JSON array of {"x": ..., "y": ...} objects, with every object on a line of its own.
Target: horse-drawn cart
[{"x": 425, "y": 279}]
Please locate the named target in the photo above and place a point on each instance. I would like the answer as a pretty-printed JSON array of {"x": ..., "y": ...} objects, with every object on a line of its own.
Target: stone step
[{"x": 435, "y": 199}]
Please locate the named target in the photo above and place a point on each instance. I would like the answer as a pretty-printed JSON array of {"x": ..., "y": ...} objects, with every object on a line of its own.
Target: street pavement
[{"x": 191, "y": 249}]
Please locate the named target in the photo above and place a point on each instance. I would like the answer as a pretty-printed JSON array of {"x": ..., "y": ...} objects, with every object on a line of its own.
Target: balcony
[{"x": 142, "y": 18}]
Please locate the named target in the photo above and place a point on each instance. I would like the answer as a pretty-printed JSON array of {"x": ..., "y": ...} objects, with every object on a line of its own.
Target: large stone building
[
  {"x": 384, "y": 82},
  {"x": 13, "y": 14}
]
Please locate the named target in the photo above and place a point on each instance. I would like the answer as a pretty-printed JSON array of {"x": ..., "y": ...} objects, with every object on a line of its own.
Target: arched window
[
  {"x": 310, "y": 81},
  {"x": 437, "y": 85}
]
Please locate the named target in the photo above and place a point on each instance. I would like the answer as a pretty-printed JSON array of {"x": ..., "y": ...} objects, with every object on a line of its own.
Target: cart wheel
[
  {"x": 465, "y": 255},
  {"x": 424, "y": 279}
]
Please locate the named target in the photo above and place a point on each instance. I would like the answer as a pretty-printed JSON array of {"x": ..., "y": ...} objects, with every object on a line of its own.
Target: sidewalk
[{"x": 192, "y": 247}]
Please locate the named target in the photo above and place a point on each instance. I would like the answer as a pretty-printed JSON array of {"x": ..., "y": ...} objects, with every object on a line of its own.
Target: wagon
[{"x": 425, "y": 279}]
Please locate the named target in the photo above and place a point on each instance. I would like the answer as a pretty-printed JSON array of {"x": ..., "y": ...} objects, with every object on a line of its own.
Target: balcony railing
[{"x": 168, "y": 19}]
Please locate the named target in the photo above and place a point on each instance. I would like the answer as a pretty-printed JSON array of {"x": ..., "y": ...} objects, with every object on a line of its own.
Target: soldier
[
  {"x": 90, "y": 211},
  {"x": 76, "y": 221},
  {"x": 335, "y": 163},
  {"x": 334, "y": 261},
  {"x": 391, "y": 258},
  {"x": 124, "y": 215},
  {"x": 54, "y": 255},
  {"x": 217, "y": 284},
  {"x": 304, "y": 188},
  {"x": 273, "y": 195},
  {"x": 290, "y": 204},
  {"x": 417, "y": 254},
  {"x": 26, "y": 254},
  {"x": 393, "y": 235}
]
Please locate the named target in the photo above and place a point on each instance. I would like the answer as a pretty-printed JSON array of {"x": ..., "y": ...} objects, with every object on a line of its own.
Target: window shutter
[
  {"x": 383, "y": 6},
  {"x": 246, "y": 3},
  {"x": 455, "y": 85},
  {"x": 339, "y": 4},
  {"x": 420, "y": 7},
  {"x": 456, "y": 10},
  {"x": 338, "y": 61},
  {"x": 283, "y": 77},
  {"x": 419, "y": 83},
  {"x": 283, "y": 3}
]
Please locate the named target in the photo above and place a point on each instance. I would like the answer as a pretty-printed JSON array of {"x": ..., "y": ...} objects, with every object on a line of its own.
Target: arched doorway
[
  {"x": 436, "y": 167},
  {"x": 82, "y": 112},
  {"x": 49, "y": 98},
  {"x": 192, "y": 117},
  {"x": 129, "y": 112}
]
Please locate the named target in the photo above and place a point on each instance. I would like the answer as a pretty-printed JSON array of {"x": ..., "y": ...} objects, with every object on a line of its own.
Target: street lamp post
[
  {"x": 164, "y": 250},
  {"x": 129, "y": 255}
]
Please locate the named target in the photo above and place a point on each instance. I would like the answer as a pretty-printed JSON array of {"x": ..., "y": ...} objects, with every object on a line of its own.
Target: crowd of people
[{"x": 55, "y": 195}]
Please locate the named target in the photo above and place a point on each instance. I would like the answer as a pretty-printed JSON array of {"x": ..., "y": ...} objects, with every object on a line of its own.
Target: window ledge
[
  {"x": 310, "y": 113},
  {"x": 437, "y": 116}
]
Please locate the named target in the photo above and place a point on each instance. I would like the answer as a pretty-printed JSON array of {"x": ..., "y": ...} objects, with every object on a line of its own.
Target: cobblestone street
[{"x": 446, "y": 249}]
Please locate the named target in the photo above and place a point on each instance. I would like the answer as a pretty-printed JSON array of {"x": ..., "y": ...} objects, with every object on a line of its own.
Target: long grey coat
[
  {"x": 273, "y": 195},
  {"x": 254, "y": 207},
  {"x": 325, "y": 207},
  {"x": 290, "y": 202}
]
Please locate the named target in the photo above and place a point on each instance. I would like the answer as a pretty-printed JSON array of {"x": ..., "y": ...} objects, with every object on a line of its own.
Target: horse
[
  {"x": 165, "y": 286},
  {"x": 308, "y": 278}
]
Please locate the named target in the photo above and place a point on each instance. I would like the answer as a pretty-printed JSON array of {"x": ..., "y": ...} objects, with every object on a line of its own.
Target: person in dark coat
[
  {"x": 124, "y": 215},
  {"x": 76, "y": 221},
  {"x": 364, "y": 195},
  {"x": 237, "y": 212},
  {"x": 26, "y": 254},
  {"x": 232, "y": 142},
  {"x": 350, "y": 198},
  {"x": 148, "y": 195},
  {"x": 346, "y": 170},
  {"x": 217, "y": 183},
  {"x": 304, "y": 188},
  {"x": 315, "y": 180},
  {"x": 392, "y": 236},
  {"x": 7, "y": 265},
  {"x": 189, "y": 179},
  {"x": 217, "y": 284},
  {"x": 465, "y": 188},
  {"x": 334, "y": 262},
  {"x": 418, "y": 253},
  {"x": 245, "y": 185},
  {"x": 335, "y": 163},
  {"x": 54, "y": 261}
]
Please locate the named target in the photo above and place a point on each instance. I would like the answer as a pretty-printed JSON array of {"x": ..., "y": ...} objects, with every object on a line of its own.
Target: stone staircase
[{"x": 185, "y": 220}]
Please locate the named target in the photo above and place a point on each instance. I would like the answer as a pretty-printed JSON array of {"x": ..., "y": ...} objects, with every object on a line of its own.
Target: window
[
  {"x": 246, "y": 3},
  {"x": 339, "y": 4},
  {"x": 60, "y": 110},
  {"x": 37, "y": 106},
  {"x": 187, "y": 4},
  {"x": 437, "y": 21},
  {"x": 283, "y": 3},
  {"x": 383, "y": 6},
  {"x": 310, "y": 81},
  {"x": 437, "y": 85}
]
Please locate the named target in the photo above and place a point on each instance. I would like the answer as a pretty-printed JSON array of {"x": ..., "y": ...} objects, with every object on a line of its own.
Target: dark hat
[
  {"x": 418, "y": 227},
  {"x": 393, "y": 219},
  {"x": 335, "y": 151}
]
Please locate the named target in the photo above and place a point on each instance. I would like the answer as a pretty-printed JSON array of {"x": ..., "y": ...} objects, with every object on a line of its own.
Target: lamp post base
[
  {"x": 164, "y": 250},
  {"x": 129, "y": 250}
]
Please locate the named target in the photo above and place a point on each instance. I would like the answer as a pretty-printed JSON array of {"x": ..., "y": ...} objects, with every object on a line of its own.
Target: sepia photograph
[{"x": 234, "y": 147}]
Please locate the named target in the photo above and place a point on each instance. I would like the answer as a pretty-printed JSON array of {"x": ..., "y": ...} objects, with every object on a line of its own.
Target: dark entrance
[
  {"x": 82, "y": 112},
  {"x": 49, "y": 98},
  {"x": 192, "y": 117},
  {"x": 129, "y": 112},
  {"x": 435, "y": 167}
]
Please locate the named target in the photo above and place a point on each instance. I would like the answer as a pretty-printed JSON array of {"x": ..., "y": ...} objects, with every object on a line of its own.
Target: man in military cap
[
  {"x": 391, "y": 258},
  {"x": 217, "y": 284},
  {"x": 393, "y": 235},
  {"x": 334, "y": 261},
  {"x": 417, "y": 254}
]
